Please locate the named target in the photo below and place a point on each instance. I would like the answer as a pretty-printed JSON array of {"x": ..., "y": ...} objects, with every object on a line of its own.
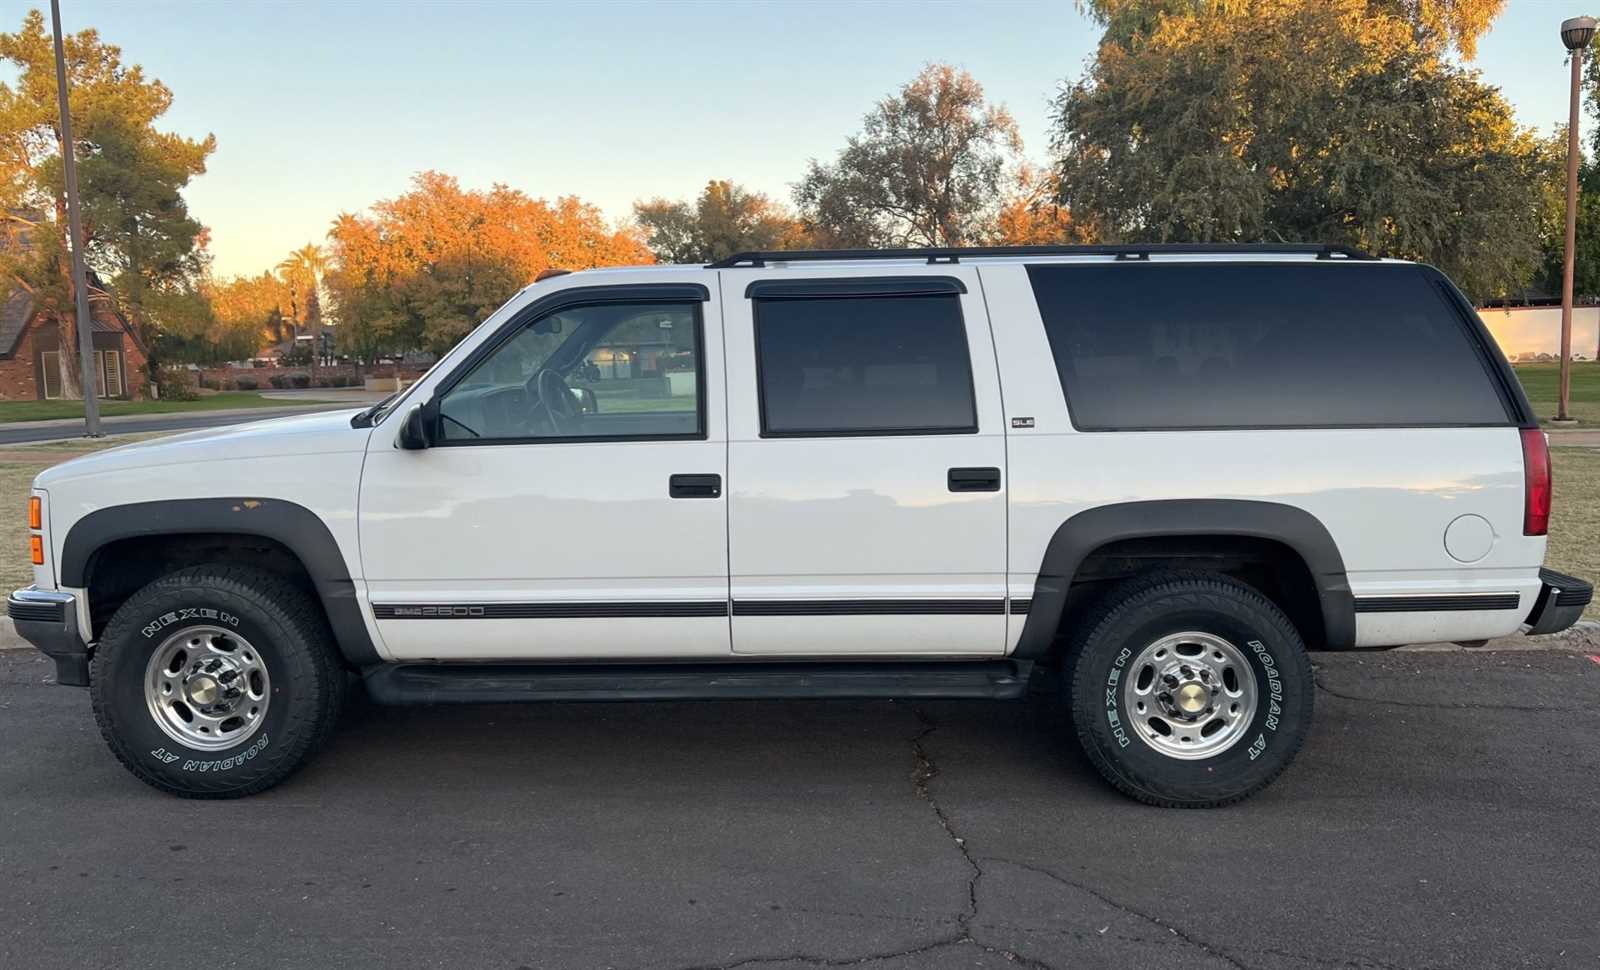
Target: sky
[{"x": 322, "y": 108}]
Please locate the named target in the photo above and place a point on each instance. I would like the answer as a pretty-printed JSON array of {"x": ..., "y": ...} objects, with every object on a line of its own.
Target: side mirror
[
  {"x": 585, "y": 399},
  {"x": 416, "y": 431}
]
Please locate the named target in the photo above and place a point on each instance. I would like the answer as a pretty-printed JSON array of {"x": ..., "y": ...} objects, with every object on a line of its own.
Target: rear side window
[
  {"x": 1153, "y": 346},
  {"x": 855, "y": 365}
]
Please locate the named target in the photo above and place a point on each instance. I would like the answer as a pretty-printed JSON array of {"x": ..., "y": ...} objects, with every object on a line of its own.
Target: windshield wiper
[{"x": 366, "y": 417}]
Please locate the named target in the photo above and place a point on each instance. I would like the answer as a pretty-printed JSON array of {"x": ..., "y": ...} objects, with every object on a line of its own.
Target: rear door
[{"x": 866, "y": 464}]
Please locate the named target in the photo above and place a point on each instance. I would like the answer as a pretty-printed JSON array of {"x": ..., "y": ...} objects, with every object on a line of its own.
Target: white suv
[{"x": 1159, "y": 472}]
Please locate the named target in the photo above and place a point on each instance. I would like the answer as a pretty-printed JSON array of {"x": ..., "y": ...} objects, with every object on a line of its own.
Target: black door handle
[
  {"x": 974, "y": 480},
  {"x": 695, "y": 486}
]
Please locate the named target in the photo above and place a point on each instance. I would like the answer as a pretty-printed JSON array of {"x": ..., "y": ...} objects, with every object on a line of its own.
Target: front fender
[{"x": 296, "y": 527}]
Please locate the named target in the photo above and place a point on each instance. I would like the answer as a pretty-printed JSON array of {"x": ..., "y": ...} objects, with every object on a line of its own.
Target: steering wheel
[{"x": 555, "y": 400}]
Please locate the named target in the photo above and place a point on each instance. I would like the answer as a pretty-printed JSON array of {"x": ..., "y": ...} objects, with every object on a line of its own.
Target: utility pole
[
  {"x": 1575, "y": 36},
  {"x": 80, "y": 288}
]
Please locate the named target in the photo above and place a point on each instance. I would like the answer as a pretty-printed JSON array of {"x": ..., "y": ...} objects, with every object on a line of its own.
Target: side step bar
[{"x": 484, "y": 683}]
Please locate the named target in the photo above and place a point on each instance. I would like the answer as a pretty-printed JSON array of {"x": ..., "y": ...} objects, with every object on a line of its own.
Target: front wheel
[
  {"x": 1189, "y": 689},
  {"x": 216, "y": 681}
]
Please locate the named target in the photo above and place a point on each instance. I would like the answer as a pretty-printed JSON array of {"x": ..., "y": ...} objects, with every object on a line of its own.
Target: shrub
[
  {"x": 300, "y": 380},
  {"x": 280, "y": 381},
  {"x": 323, "y": 382},
  {"x": 246, "y": 384},
  {"x": 176, "y": 385},
  {"x": 210, "y": 383}
]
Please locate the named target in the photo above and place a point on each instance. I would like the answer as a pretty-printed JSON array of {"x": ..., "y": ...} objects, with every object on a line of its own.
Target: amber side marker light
[
  {"x": 36, "y": 544},
  {"x": 35, "y": 513}
]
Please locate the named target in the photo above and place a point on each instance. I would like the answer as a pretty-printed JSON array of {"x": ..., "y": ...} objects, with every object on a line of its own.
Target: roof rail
[{"x": 1131, "y": 251}]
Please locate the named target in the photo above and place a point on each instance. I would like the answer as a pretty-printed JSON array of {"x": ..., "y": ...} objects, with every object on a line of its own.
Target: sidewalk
[{"x": 1580, "y": 438}]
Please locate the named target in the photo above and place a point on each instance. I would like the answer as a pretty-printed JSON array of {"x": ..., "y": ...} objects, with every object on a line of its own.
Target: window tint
[
  {"x": 1286, "y": 345},
  {"x": 864, "y": 365},
  {"x": 607, "y": 371}
]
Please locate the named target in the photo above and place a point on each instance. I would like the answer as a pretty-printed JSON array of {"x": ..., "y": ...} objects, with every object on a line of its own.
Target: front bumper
[
  {"x": 48, "y": 619},
  {"x": 1560, "y": 602}
]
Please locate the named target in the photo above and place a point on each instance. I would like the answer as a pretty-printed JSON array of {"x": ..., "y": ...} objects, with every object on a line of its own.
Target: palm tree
[{"x": 301, "y": 272}]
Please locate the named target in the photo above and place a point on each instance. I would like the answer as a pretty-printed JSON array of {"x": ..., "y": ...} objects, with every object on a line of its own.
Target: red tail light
[{"x": 1536, "y": 476}]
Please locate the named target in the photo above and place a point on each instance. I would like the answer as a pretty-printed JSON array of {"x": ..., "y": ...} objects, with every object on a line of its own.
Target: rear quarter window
[{"x": 1149, "y": 346}]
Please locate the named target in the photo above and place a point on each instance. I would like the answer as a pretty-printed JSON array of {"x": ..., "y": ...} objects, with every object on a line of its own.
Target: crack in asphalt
[
  {"x": 1121, "y": 907},
  {"x": 922, "y": 775},
  {"x": 923, "y": 771},
  {"x": 1437, "y": 706},
  {"x": 818, "y": 961}
]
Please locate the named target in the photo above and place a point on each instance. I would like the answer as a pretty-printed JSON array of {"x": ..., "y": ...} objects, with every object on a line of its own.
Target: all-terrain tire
[
  {"x": 286, "y": 632},
  {"x": 1134, "y": 748}
]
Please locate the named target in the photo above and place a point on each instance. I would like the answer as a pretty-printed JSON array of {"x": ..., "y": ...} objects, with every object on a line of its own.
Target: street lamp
[
  {"x": 80, "y": 289},
  {"x": 1575, "y": 34}
]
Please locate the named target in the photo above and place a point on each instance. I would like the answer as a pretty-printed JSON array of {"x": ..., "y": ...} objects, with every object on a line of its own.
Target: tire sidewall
[
  {"x": 1283, "y": 683},
  {"x": 121, "y": 662}
]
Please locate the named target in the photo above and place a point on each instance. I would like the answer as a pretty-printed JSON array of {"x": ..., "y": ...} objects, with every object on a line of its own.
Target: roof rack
[{"x": 1133, "y": 252}]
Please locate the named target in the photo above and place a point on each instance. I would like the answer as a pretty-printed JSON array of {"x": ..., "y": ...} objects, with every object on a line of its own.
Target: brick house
[{"x": 30, "y": 354}]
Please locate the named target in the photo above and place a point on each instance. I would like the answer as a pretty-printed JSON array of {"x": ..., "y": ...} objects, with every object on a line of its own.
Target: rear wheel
[
  {"x": 216, "y": 681},
  {"x": 1189, "y": 689}
]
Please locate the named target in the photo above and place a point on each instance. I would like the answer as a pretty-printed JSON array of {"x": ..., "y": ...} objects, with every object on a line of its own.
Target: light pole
[
  {"x": 80, "y": 289},
  {"x": 1575, "y": 34}
]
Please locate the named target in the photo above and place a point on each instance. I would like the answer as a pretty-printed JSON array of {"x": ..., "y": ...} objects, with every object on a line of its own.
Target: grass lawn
[
  {"x": 46, "y": 410},
  {"x": 1541, "y": 382},
  {"x": 1575, "y": 517},
  {"x": 17, "y": 468}
]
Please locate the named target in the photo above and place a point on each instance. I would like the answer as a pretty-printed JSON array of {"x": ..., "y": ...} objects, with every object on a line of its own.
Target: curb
[{"x": 1583, "y": 636}]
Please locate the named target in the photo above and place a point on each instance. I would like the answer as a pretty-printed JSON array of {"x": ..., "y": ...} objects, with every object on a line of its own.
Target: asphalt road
[{"x": 1443, "y": 815}]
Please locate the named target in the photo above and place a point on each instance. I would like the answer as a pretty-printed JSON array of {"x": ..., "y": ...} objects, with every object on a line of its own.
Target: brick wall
[
  {"x": 135, "y": 368},
  {"x": 19, "y": 377}
]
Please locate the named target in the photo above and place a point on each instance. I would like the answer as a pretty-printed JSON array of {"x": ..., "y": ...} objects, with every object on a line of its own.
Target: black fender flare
[
  {"x": 296, "y": 527},
  {"x": 1087, "y": 531}
]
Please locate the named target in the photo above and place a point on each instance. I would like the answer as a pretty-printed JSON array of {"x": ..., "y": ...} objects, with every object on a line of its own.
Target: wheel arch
[
  {"x": 1081, "y": 535},
  {"x": 296, "y": 528}
]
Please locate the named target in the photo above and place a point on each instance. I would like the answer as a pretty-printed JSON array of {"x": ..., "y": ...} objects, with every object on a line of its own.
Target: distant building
[{"x": 31, "y": 359}]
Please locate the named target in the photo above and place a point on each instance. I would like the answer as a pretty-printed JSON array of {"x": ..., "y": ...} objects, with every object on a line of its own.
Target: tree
[
  {"x": 1436, "y": 25},
  {"x": 137, "y": 230},
  {"x": 245, "y": 314},
  {"x": 726, "y": 218},
  {"x": 301, "y": 273},
  {"x": 422, "y": 269},
  {"x": 1033, "y": 214},
  {"x": 928, "y": 168},
  {"x": 1292, "y": 120}
]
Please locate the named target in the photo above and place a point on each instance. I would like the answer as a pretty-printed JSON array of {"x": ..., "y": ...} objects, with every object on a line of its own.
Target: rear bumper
[
  {"x": 48, "y": 619},
  {"x": 1560, "y": 602}
]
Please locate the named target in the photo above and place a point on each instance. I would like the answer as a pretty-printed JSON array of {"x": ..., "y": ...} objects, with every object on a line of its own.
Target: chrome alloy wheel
[
  {"x": 1190, "y": 695},
  {"x": 207, "y": 687}
]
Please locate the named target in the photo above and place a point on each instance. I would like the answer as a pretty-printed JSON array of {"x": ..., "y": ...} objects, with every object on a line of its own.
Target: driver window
[{"x": 625, "y": 370}]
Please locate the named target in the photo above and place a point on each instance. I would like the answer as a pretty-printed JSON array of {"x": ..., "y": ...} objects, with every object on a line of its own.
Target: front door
[
  {"x": 572, "y": 502},
  {"x": 867, "y": 504}
]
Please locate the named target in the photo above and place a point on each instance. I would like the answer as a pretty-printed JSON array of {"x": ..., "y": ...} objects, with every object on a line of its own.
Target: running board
[{"x": 474, "y": 683}]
